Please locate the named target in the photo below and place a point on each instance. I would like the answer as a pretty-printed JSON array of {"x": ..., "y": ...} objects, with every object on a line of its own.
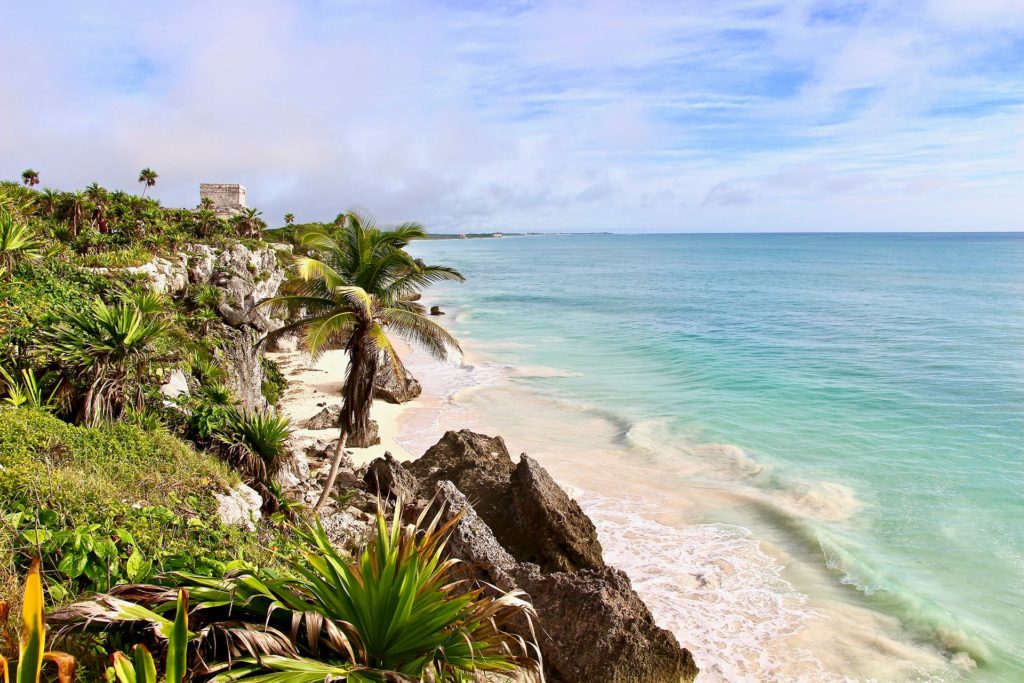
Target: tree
[
  {"x": 110, "y": 348},
  {"x": 99, "y": 198},
  {"x": 289, "y": 218},
  {"x": 359, "y": 289},
  {"x": 30, "y": 177},
  {"x": 147, "y": 177},
  {"x": 75, "y": 208},
  {"x": 206, "y": 220},
  {"x": 249, "y": 223},
  {"x": 17, "y": 241}
]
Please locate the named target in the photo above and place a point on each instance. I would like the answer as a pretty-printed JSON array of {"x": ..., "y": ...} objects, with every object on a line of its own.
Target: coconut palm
[
  {"x": 206, "y": 220},
  {"x": 249, "y": 222},
  {"x": 147, "y": 177},
  {"x": 109, "y": 347},
  {"x": 30, "y": 177},
  {"x": 360, "y": 289},
  {"x": 289, "y": 218},
  {"x": 17, "y": 241}
]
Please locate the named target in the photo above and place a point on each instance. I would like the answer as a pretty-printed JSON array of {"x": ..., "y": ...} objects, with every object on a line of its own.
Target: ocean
[{"x": 806, "y": 450}]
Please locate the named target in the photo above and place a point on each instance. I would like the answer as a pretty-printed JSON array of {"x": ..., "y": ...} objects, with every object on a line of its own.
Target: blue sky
[{"x": 630, "y": 116}]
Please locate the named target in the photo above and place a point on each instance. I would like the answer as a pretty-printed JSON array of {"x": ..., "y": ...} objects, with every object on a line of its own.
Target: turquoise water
[{"x": 878, "y": 379}]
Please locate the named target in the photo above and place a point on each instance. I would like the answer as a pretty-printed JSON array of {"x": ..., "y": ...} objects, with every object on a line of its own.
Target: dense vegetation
[{"x": 106, "y": 482}]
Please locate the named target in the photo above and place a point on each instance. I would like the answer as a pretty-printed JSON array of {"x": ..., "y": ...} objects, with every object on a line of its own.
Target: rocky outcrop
[
  {"x": 557, "y": 526},
  {"x": 240, "y": 359},
  {"x": 388, "y": 478},
  {"x": 327, "y": 418},
  {"x": 529, "y": 513},
  {"x": 176, "y": 385},
  {"x": 240, "y": 506},
  {"x": 395, "y": 385},
  {"x": 595, "y": 629},
  {"x": 367, "y": 438}
]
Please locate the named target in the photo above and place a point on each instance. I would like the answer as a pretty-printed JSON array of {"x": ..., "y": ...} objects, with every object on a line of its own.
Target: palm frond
[{"x": 420, "y": 330}]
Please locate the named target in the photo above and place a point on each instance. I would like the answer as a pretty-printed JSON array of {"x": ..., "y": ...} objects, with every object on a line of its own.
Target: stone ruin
[{"x": 228, "y": 199}]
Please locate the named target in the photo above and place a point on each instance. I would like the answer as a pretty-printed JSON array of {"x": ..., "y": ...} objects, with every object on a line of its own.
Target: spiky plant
[
  {"x": 109, "y": 348},
  {"x": 17, "y": 242},
  {"x": 359, "y": 288},
  {"x": 255, "y": 441},
  {"x": 32, "y": 643},
  {"x": 401, "y": 611}
]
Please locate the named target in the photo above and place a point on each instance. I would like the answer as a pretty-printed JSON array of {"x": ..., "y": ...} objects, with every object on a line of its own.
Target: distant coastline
[{"x": 500, "y": 235}]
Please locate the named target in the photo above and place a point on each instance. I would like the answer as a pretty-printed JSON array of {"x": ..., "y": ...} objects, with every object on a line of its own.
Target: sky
[{"x": 639, "y": 116}]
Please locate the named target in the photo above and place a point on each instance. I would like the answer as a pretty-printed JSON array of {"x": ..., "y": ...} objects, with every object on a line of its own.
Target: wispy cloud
[{"x": 813, "y": 115}]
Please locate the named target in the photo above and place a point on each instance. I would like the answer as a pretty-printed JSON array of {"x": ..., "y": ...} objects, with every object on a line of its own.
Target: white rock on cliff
[{"x": 240, "y": 506}]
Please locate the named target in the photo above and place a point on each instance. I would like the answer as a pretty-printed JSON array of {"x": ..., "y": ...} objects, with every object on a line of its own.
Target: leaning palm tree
[
  {"x": 289, "y": 218},
  {"x": 147, "y": 177},
  {"x": 17, "y": 241},
  {"x": 110, "y": 349},
  {"x": 30, "y": 177},
  {"x": 359, "y": 288}
]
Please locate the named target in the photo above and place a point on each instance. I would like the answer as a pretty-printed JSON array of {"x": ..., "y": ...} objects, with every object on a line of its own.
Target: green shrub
[
  {"x": 274, "y": 382},
  {"x": 109, "y": 504}
]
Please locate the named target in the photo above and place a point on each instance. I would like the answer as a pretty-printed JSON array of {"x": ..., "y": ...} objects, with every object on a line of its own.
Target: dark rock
[
  {"x": 471, "y": 540},
  {"x": 395, "y": 386},
  {"x": 480, "y": 467},
  {"x": 563, "y": 536},
  {"x": 436, "y": 310},
  {"x": 593, "y": 628},
  {"x": 368, "y": 438},
  {"x": 389, "y": 478},
  {"x": 327, "y": 418}
]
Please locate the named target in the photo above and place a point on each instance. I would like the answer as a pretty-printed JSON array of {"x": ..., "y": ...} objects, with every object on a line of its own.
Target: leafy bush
[
  {"x": 255, "y": 441},
  {"x": 274, "y": 382},
  {"x": 109, "y": 504}
]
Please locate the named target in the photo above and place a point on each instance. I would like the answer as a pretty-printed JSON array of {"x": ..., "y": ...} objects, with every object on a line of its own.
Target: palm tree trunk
[{"x": 355, "y": 407}]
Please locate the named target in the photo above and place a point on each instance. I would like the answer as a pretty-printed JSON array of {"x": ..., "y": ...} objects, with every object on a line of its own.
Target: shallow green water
[{"x": 890, "y": 365}]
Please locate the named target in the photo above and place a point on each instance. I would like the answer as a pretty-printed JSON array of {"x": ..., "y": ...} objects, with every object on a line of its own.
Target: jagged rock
[
  {"x": 395, "y": 387},
  {"x": 471, "y": 540},
  {"x": 480, "y": 467},
  {"x": 595, "y": 629},
  {"x": 545, "y": 527},
  {"x": 389, "y": 478},
  {"x": 240, "y": 359},
  {"x": 348, "y": 529},
  {"x": 557, "y": 527},
  {"x": 370, "y": 437},
  {"x": 200, "y": 259},
  {"x": 327, "y": 418},
  {"x": 240, "y": 506},
  {"x": 286, "y": 343},
  {"x": 175, "y": 386},
  {"x": 436, "y": 310}
]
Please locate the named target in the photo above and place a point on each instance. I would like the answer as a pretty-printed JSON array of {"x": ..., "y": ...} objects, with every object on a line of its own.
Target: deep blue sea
[{"x": 806, "y": 450}]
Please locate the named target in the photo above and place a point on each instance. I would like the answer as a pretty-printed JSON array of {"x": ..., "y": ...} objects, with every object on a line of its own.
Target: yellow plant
[{"x": 32, "y": 643}]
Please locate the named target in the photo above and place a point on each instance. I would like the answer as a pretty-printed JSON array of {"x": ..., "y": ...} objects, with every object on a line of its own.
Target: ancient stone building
[{"x": 228, "y": 198}]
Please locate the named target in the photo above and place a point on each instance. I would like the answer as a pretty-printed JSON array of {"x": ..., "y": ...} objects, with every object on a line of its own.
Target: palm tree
[
  {"x": 110, "y": 347},
  {"x": 99, "y": 197},
  {"x": 30, "y": 177},
  {"x": 49, "y": 201},
  {"x": 250, "y": 223},
  {"x": 17, "y": 241},
  {"x": 289, "y": 218},
  {"x": 357, "y": 291},
  {"x": 147, "y": 177},
  {"x": 75, "y": 209},
  {"x": 206, "y": 219}
]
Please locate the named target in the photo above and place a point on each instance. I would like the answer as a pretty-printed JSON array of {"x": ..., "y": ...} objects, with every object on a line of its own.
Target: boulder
[
  {"x": 436, "y": 310},
  {"x": 593, "y": 628},
  {"x": 561, "y": 535},
  {"x": 480, "y": 467},
  {"x": 348, "y": 528},
  {"x": 240, "y": 506},
  {"x": 327, "y": 418},
  {"x": 390, "y": 479},
  {"x": 370, "y": 437},
  {"x": 395, "y": 386},
  {"x": 175, "y": 386},
  {"x": 471, "y": 540}
]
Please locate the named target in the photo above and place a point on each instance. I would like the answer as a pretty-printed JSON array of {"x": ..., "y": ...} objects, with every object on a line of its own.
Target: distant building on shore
[
  {"x": 497, "y": 234},
  {"x": 226, "y": 199}
]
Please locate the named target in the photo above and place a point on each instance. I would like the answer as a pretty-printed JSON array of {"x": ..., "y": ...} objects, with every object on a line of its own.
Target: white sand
[{"x": 312, "y": 386}]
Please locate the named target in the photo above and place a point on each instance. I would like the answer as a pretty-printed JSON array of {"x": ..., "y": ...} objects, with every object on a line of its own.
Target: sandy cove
[{"x": 314, "y": 385}]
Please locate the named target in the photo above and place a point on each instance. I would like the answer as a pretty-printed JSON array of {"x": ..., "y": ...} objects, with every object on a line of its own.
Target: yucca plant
[
  {"x": 32, "y": 643},
  {"x": 255, "y": 441},
  {"x": 401, "y": 611},
  {"x": 27, "y": 391},
  {"x": 17, "y": 241},
  {"x": 110, "y": 348},
  {"x": 142, "y": 669}
]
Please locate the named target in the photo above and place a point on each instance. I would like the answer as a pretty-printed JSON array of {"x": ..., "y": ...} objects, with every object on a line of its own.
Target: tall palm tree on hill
[
  {"x": 147, "y": 177},
  {"x": 75, "y": 209},
  {"x": 30, "y": 177},
  {"x": 289, "y": 218},
  {"x": 356, "y": 290}
]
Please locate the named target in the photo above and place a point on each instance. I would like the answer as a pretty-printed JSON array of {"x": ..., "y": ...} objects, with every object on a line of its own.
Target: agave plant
[
  {"x": 255, "y": 441},
  {"x": 400, "y": 611},
  {"x": 110, "y": 348},
  {"x": 17, "y": 241},
  {"x": 28, "y": 391},
  {"x": 32, "y": 643},
  {"x": 141, "y": 668}
]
